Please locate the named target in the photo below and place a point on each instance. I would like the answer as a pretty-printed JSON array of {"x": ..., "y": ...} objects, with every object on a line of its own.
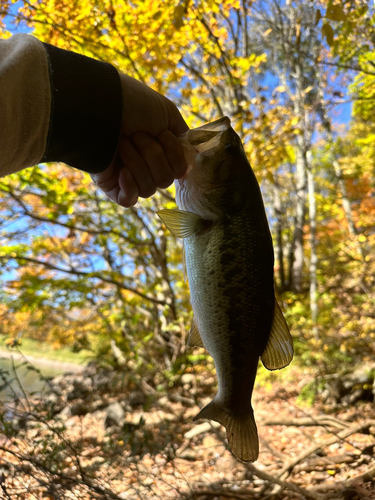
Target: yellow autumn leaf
[{"x": 294, "y": 121}]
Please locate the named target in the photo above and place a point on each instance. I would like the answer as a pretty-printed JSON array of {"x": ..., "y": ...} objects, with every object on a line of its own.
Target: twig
[
  {"x": 288, "y": 467},
  {"x": 323, "y": 420},
  {"x": 284, "y": 484},
  {"x": 273, "y": 450},
  {"x": 99, "y": 276},
  {"x": 324, "y": 462},
  {"x": 224, "y": 493}
]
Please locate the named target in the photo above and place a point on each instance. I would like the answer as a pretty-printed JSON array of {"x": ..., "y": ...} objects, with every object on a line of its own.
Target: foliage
[{"x": 78, "y": 270}]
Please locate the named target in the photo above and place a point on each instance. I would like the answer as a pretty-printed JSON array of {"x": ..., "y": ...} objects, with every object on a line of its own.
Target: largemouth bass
[{"x": 229, "y": 261}]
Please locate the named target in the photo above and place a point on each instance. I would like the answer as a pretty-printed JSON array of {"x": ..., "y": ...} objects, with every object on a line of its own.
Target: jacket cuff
[{"x": 86, "y": 111}]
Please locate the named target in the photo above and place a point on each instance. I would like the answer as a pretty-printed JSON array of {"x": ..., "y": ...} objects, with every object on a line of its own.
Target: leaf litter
[{"x": 60, "y": 447}]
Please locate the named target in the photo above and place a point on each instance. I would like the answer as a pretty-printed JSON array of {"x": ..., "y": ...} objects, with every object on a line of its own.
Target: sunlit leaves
[
  {"x": 66, "y": 250},
  {"x": 73, "y": 251}
]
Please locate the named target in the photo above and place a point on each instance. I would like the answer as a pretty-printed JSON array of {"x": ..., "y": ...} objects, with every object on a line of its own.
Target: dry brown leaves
[{"x": 315, "y": 453}]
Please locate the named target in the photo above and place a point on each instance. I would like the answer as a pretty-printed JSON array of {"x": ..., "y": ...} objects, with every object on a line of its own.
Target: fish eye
[{"x": 232, "y": 150}]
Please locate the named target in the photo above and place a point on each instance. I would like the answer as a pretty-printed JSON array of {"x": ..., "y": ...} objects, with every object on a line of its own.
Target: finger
[
  {"x": 154, "y": 156},
  {"x": 107, "y": 180},
  {"x": 138, "y": 168},
  {"x": 128, "y": 192},
  {"x": 177, "y": 124},
  {"x": 174, "y": 152}
]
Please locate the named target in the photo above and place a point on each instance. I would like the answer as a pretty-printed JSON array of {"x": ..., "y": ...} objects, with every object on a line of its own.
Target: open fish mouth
[
  {"x": 202, "y": 140},
  {"x": 208, "y": 136}
]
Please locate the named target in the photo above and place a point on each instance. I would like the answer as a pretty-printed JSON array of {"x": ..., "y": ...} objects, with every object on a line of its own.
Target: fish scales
[
  {"x": 232, "y": 301},
  {"x": 229, "y": 263}
]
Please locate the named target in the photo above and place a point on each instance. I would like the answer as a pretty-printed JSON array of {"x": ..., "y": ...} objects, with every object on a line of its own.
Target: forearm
[
  {"x": 56, "y": 105},
  {"x": 25, "y": 103}
]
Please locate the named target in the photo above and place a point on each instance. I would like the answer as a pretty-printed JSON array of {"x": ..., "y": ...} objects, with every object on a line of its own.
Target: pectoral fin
[
  {"x": 181, "y": 223},
  {"x": 194, "y": 338},
  {"x": 279, "y": 349}
]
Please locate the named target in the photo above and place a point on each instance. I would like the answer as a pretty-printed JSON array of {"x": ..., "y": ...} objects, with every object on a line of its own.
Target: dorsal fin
[{"x": 279, "y": 349}]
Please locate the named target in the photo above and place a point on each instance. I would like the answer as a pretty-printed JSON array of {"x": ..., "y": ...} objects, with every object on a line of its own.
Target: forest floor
[{"x": 103, "y": 435}]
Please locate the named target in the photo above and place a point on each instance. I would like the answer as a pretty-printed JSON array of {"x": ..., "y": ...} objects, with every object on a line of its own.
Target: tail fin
[{"x": 242, "y": 432}]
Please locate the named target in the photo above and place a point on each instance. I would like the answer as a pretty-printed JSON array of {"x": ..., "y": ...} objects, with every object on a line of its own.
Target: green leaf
[
  {"x": 318, "y": 16},
  {"x": 335, "y": 13},
  {"x": 328, "y": 33}
]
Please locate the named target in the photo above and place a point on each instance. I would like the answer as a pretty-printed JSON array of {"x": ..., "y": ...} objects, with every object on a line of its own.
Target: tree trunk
[
  {"x": 296, "y": 267},
  {"x": 277, "y": 208},
  {"x": 302, "y": 146},
  {"x": 346, "y": 205},
  {"x": 313, "y": 255}
]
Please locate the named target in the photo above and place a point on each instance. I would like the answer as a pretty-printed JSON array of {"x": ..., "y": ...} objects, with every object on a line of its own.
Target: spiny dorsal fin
[
  {"x": 194, "y": 339},
  {"x": 279, "y": 349},
  {"x": 181, "y": 223}
]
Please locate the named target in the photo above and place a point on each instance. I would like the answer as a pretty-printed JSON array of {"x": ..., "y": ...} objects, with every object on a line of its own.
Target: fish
[{"x": 228, "y": 260}]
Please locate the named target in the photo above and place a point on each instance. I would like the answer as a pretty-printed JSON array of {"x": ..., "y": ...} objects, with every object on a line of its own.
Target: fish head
[{"x": 219, "y": 175}]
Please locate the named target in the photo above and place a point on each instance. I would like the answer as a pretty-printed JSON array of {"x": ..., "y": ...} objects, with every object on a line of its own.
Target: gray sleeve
[{"x": 25, "y": 102}]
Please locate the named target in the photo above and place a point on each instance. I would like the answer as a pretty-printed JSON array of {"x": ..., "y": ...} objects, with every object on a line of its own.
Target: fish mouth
[
  {"x": 208, "y": 136},
  {"x": 202, "y": 140}
]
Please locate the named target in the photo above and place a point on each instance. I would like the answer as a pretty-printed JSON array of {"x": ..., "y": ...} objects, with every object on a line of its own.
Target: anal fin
[{"x": 279, "y": 349}]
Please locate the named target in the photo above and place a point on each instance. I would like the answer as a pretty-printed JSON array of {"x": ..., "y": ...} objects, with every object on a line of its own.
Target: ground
[{"x": 67, "y": 448}]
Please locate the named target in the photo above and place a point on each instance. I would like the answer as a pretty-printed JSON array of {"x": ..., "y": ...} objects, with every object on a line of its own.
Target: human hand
[{"x": 149, "y": 156}]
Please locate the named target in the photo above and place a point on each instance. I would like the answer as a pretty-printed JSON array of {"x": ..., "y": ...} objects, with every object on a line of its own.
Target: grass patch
[{"x": 30, "y": 347}]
